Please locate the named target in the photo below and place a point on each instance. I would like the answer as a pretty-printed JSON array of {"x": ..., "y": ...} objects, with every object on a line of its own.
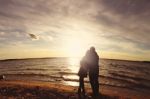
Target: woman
[{"x": 82, "y": 74}]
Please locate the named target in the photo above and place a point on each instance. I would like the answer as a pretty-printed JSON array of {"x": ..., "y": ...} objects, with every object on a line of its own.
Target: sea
[{"x": 133, "y": 75}]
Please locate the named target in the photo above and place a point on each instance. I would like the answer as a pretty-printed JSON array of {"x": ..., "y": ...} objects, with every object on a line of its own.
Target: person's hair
[{"x": 92, "y": 48}]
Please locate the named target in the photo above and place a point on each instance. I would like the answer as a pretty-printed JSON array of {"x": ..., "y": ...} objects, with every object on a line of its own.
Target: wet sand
[{"x": 48, "y": 90}]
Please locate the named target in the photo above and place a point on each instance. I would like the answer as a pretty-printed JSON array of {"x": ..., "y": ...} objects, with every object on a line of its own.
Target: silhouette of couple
[{"x": 89, "y": 64}]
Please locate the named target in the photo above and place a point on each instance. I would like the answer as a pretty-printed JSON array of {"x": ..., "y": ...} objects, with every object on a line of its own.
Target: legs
[
  {"x": 81, "y": 85},
  {"x": 94, "y": 84},
  {"x": 97, "y": 86}
]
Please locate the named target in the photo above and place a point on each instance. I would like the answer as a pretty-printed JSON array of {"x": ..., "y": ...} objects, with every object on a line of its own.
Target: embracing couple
[{"x": 89, "y": 65}]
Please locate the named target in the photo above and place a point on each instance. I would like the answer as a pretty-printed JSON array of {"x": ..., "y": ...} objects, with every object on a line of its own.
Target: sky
[{"x": 118, "y": 29}]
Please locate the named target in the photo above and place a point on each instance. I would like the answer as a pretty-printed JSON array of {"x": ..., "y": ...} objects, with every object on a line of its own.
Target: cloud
[
  {"x": 33, "y": 36},
  {"x": 2, "y": 33},
  {"x": 47, "y": 38},
  {"x": 111, "y": 23}
]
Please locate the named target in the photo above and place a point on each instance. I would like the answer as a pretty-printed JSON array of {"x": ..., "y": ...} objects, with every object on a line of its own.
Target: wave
[
  {"x": 134, "y": 81},
  {"x": 109, "y": 82},
  {"x": 126, "y": 75},
  {"x": 32, "y": 75},
  {"x": 67, "y": 73}
]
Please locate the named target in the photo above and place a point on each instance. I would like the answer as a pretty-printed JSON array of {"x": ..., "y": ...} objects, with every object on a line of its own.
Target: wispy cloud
[
  {"x": 33, "y": 36},
  {"x": 112, "y": 24}
]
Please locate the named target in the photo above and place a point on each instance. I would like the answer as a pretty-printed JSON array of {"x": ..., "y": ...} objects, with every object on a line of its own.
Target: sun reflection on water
[
  {"x": 74, "y": 64},
  {"x": 71, "y": 83}
]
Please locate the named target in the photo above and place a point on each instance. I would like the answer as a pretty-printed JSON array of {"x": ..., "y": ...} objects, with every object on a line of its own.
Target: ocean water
[{"x": 132, "y": 75}]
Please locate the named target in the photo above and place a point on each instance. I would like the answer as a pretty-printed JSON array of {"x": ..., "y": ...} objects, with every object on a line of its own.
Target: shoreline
[
  {"x": 28, "y": 58},
  {"x": 36, "y": 89}
]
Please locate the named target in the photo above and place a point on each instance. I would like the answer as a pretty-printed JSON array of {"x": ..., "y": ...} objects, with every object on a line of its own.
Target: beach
[
  {"x": 53, "y": 49},
  {"x": 56, "y": 78},
  {"x": 15, "y": 89}
]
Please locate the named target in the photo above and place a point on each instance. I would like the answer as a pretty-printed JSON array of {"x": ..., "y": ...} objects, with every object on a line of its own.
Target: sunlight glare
[
  {"x": 79, "y": 39},
  {"x": 74, "y": 64},
  {"x": 75, "y": 48}
]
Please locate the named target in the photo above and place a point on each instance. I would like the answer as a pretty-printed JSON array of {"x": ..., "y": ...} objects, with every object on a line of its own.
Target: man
[{"x": 93, "y": 65}]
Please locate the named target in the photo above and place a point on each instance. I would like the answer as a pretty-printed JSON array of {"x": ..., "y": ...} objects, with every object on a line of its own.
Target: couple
[{"x": 89, "y": 65}]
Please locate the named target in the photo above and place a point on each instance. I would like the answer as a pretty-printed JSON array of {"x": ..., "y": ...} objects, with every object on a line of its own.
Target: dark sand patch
[{"x": 46, "y": 90}]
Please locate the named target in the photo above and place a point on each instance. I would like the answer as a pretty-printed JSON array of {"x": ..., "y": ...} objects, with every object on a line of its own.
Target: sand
[{"x": 49, "y": 90}]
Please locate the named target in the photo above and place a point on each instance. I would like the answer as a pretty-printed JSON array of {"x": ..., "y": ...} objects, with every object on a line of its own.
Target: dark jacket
[{"x": 83, "y": 68}]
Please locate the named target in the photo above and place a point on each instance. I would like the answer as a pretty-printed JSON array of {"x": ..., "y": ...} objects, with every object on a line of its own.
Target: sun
[
  {"x": 77, "y": 45},
  {"x": 75, "y": 48},
  {"x": 78, "y": 38}
]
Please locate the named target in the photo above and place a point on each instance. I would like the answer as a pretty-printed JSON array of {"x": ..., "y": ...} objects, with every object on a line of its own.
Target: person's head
[{"x": 92, "y": 48}]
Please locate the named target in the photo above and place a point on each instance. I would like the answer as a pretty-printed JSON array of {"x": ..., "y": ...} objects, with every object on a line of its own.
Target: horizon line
[{"x": 69, "y": 57}]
